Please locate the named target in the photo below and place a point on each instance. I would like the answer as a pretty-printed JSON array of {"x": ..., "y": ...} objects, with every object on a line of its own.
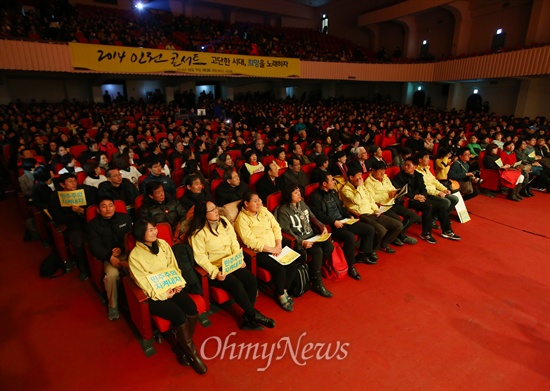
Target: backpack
[
  {"x": 52, "y": 266},
  {"x": 300, "y": 285},
  {"x": 336, "y": 267}
]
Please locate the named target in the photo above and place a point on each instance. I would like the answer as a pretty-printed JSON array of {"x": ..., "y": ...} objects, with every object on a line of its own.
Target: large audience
[
  {"x": 262, "y": 174},
  {"x": 62, "y": 22}
]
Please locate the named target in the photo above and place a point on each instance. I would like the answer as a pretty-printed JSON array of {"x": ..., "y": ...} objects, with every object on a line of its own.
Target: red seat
[
  {"x": 204, "y": 165},
  {"x": 386, "y": 155},
  {"x": 177, "y": 176},
  {"x": 274, "y": 200},
  {"x": 254, "y": 178},
  {"x": 392, "y": 171},
  {"x": 180, "y": 191},
  {"x": 215, "y": 183},
  {"x": 307, "y": 168},
  {"x": 76, "y": 150},
  {"x": 491, "y": 178},
  {"x": 235, "y": 154},
  {"x": 310, "y": 189},
  {"x": 268, "y": 159},
  {"x": 139, "y": 202},
  {"x": 81, "y": 177}
]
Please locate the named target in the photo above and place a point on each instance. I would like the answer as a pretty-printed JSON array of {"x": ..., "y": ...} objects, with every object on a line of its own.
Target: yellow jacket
[
  {"x": 257, "y": 231},
  {"x": 433, "y": 186},
  {"x": 143, "y": 262},
  {"x": 210, "y": 248},
  {"x": 358, "y": 201},
  {"x": 379, "y": 190},
  {"x": 442, "y": 167}
]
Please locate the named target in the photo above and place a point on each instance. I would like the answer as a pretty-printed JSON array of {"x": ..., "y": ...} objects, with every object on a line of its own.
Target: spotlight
[
  {"x": 424, "y": 42},
  {"x": 476, "y": 90},
  {"x": 139, "y": 6},
  {"x": 419, "y": 89},
  {"x": 499, "y": 31},
  {"x": 202, "y": 47}
]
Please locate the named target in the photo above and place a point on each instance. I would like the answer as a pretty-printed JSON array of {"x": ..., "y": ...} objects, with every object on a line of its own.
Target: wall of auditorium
[
  {"x": 391, "y": 35},
  {"x": 490, "y": 15},
  {"x": 50, "y": 89},
  {"x": 501, "y": 94},
  {"x": 437, "y": 27},
  {"x": 122, "y": 4},
  {"x": 203, "y": 11},
  {"x": 343, "y": 21},
  {"x": 139, "y": 88}
]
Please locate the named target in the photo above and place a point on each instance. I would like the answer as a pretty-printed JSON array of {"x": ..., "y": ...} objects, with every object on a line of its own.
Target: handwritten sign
[
  {"x": 165, "y": 280},
  {"x": 72, "y": 198},
  {"x": 144, "y": 60},
  {"x": 232, "y": 263}
]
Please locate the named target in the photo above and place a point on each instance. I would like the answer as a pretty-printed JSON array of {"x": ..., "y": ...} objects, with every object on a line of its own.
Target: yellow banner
[{"x": 140, "y": 60}]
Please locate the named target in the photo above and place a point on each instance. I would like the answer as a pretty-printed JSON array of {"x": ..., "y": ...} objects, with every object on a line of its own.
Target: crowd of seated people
[
  {"x": 334, "y": 144},
  {"x": 162, "y": 30}
]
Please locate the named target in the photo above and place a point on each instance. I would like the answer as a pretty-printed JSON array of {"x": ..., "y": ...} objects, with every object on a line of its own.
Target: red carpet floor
[{"x": 470, "y": 315}]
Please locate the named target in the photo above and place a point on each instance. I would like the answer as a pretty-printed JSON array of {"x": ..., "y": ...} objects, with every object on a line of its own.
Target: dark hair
[
  {"x": 152, "y": 161},
  {"x": 247, "y": 196},
  {"x": 122, "y": 161},
  {"x": 140, "y": 228},
  {"x": 228, "y": 173},
  {"x": 353, "y": 170},
  {"x": 152, "y": 146},
  {"x": 288, "y": 190},
  {"x": 519, "y": 142},
  {"x": 41, "y": 174},
  {"x": 64, "y": 177},
  {"x": 371, "y": 149},
  {"x": 199, "y": 219},
  {"x": 406, "y": 151},
  {"x": 89, "y": 167},
  {"x": 461, "y": 151},
  {"x": 150, "y": 187},
  {"x": 90, "y": 143},
  {"x": 490, "y": 147},
  {"x": 321, "y": 159},
  {"x": 506, "y": 144},
  {"x": 378, "y": 165},
  {"x": 278, "y": 151},
  {"x": 105, "y": 198},
  {"x": 323, "y": 177},
  {"x": 442, "y": 152},
  {"x": 192, "y": 178},
  {"x": 66, "y": 159},
  {"x": 221, "y": 160},
  {"x": 28, "y": 163},
  {"x": 248, "y": 154}
]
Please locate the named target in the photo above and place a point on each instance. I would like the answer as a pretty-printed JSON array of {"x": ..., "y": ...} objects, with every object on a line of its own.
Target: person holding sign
[
  {"x": 155, "y": 270},
  {"x": 329, "y": 209},
  {"x": 509, "y": 177},
  {"x": 213, "y": 238},
  {"x": 298, "y": 220},
  {"x": 68, "y": 207},
  {"x": 260, "y": 232}
]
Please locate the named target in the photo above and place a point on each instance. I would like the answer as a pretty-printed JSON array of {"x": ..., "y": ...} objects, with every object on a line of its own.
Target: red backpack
[{"x": 336, "y": 268}]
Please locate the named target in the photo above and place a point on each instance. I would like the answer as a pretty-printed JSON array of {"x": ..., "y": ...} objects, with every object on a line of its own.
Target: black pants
[
  {"x": 175, "y": 309},
  {"x": 77, "y": 238},
  {"x": 427, "y": 214},
  {"x": 347, "y": 235},
  {"x": 386, "y": 228},
  {"x": 282, "y": 275},
  {"x": 242, "y": 285},
  {"x": 409, "y": 217},
  {"x": 320, "y": 251}
]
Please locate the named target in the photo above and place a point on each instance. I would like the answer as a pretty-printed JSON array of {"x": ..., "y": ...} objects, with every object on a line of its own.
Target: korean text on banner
[
  {"x": 72, "y": 198},
  {"x": 232, "y": 262},
  {"x": 143, "y": 60},
  {"x": 165, "y": 280}
]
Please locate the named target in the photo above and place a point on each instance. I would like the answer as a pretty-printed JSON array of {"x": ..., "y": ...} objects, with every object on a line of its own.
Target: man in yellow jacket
[
  {"x": 359, "y": 202},
  {"x": 383, "y": 192},
  {"x": 438, "y": 194}
]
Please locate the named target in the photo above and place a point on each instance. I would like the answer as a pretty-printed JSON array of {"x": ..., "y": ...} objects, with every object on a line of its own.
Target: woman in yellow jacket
[
  {"x": 152, "y": 256},
  {"x": 260, "y": 232},
  {"x": 213, "y": 238}
]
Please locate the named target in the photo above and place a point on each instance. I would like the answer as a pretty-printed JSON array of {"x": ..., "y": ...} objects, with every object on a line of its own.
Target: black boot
[
  {"x": 318, "y": 287},
  {"x": 512, "y": 194},
  {"x": 263, "y": 320},
  {"x": 184, "y": 336}
]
